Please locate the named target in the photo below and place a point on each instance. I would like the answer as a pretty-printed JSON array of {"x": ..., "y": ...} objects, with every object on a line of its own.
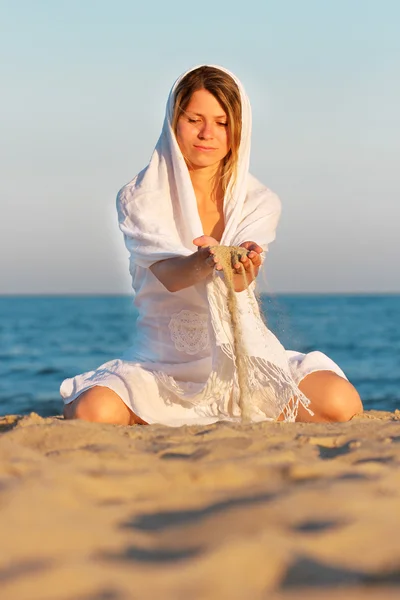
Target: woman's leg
[
  {"x": 100, "y": 404},
  {"x": 332, "y": 398}
]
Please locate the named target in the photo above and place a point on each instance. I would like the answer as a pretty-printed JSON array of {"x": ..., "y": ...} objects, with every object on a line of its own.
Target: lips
[{"x": 204, "y": 148}]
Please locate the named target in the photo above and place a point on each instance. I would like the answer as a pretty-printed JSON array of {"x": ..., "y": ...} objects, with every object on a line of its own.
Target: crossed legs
[{"x": 332, "y": 398}]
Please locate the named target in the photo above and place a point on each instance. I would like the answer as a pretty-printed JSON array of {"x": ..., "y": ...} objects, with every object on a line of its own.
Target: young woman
[{"x": 195, "y": 194}]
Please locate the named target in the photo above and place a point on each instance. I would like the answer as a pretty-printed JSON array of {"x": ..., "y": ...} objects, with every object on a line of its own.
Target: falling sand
[
  {"x": 228, "y": 256},
  {"x": 279, "y": 389}
]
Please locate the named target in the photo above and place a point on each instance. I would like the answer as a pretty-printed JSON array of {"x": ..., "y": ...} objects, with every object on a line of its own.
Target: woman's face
[{"x": 202, "y": 131}]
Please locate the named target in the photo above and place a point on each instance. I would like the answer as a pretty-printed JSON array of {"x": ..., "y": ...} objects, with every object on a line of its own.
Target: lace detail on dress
[
  {"x": 189, "y": 331},
  {"x": 267, "y": 390}
]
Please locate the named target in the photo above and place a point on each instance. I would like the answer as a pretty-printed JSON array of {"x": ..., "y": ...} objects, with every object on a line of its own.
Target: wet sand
[{"x": 264, "y": 511}]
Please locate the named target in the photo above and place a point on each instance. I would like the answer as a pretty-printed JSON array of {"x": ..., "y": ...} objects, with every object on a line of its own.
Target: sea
[{"x": 45, "y": 339}]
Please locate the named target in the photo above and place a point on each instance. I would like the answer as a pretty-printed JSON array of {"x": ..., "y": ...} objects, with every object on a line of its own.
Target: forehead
[{"x": 203, "y": 102}]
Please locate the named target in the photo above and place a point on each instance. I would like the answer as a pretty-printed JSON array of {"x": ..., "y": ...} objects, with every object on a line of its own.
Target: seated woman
[{"x": 195, "y": 194}]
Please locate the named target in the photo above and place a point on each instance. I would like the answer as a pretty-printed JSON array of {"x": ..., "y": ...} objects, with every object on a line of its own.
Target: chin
[{"x": 202, "y": 164}]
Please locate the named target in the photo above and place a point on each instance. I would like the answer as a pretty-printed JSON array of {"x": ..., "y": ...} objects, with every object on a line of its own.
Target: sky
[{"x": 83, "y": 90}]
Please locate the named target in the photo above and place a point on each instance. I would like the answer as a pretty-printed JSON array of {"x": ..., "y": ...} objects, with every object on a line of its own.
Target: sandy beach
[{"x": 272, "y": 510}]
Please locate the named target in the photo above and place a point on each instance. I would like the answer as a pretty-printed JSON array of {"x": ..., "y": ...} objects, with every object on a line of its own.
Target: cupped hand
[
  {"x": 205, "y": 243},
  {"x": 250, "y": 261}
]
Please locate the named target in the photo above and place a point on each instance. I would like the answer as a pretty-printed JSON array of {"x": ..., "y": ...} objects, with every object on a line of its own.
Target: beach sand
[{"x": 262, "y": 511}]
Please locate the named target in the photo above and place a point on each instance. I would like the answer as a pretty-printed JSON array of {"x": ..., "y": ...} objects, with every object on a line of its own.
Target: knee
[
  {"x": 99, "y": 405},
  {"x": 342, "y": 401},
  {"x": 90, "y": 407}
]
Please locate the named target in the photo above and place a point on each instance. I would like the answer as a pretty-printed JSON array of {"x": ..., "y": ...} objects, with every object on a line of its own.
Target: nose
[{"x": 206, "y": 132}]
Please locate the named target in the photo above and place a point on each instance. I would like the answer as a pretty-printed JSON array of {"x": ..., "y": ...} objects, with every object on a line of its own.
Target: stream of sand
[{"x": 228, "y": 256}]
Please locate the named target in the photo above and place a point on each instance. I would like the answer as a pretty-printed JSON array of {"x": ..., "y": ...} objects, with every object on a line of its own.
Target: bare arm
[
  {"x": 181, "y": 272},
  {"x": 184, "y": 271}
]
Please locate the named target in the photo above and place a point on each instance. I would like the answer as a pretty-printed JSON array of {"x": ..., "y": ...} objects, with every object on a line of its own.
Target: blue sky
[{"x": 84, "y": 87}]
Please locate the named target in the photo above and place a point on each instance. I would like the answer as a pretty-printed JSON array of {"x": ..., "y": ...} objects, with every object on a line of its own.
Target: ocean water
[{"x": 43, "y": 340}]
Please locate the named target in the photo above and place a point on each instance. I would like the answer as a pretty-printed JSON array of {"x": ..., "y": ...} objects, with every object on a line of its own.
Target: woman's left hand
[{"x": 252, "y": 258}]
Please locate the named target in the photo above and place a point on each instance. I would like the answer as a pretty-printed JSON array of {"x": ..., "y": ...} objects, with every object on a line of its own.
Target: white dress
[
  {"x": 171, "y": 335},
  {"x": 181, "y": 368}
]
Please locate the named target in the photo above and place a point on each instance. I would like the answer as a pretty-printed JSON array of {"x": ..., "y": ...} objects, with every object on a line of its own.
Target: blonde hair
[{"x": 225, "y": 90}]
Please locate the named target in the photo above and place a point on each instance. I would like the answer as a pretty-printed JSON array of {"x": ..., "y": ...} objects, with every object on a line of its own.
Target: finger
[
  {"x": 239, "y": 268},
  {"x": 252, "y": 246},
  {"x": 256, "y": 262},
  {"x": 206, "y": 250},
  {"x": 210, "y": 261},
  {"x": 216, "y": 264},
  {"x": 236, "y": 262}
]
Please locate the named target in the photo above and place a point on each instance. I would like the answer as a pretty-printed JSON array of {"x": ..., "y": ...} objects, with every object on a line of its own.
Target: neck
[{"x": 205, "y": 181}]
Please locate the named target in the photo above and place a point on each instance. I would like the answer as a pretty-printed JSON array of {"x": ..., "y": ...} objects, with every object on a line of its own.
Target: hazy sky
[{"x": 83, "y": 90}]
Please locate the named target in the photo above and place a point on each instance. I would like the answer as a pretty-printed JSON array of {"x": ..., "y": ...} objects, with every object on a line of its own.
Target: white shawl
[{"x": 159, "y": 218}]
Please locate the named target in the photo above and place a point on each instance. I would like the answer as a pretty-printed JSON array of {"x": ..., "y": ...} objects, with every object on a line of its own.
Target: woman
[{"x": 197, "y": 193}]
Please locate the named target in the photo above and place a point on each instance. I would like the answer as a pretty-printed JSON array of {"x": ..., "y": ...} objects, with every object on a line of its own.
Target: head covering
[
  {"x": 159, "y": 218},
  {"x": 158, "y": 210}
]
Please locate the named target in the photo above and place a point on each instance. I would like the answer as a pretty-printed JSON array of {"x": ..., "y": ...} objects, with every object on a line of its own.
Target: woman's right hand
[{"x": 205, "y": 244}]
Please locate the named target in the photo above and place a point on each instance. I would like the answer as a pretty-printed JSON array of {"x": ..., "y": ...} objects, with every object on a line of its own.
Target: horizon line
[{"x": 132, "y": 295}]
